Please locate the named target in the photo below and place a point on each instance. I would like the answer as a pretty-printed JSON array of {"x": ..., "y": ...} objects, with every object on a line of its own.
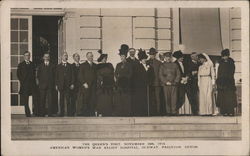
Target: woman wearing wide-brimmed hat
[
  {"x": 105, "y": 85},
  {"x": 123, "y": 73}
]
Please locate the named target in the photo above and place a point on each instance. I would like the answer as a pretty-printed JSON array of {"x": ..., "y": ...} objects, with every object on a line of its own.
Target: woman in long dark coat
[
  {"x": 143, "y": 76},
  {"x": 123, "y": 73},
  {"x": 105, "y": 84},
  {"x": 226, "y": 99}
]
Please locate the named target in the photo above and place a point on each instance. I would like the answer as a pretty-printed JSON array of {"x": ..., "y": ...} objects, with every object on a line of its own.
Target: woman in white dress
[{"x": 206, "y": 81}]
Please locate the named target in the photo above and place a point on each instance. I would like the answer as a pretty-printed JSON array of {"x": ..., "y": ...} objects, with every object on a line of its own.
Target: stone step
[
  {"x": 127, "y": 135},
  {"x": 122, "y": 127},
  {"x": 125, "y": 120}
]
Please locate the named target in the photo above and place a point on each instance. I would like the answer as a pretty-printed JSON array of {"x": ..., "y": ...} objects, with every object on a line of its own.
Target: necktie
[{"x": 27, "y": 62}]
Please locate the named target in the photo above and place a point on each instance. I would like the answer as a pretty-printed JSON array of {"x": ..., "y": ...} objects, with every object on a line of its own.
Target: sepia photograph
[{"x": 113, "y": 74}]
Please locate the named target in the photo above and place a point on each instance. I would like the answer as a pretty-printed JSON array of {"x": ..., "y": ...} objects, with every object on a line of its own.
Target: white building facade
[{"x": 83, "y": 30}]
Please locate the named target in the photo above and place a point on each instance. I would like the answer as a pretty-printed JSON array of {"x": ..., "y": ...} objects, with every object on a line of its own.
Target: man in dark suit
[
  {"x": 46, "y": 83},
  {"x": 133, "y": 61},
  {"x": 155, "y": 87},
  {"x": 64, "y": 82},
  {"x": 192, "y": 86},
  {"x": 26, "y": 76},
  {"x": 182, "y": 84},
  {"x": 87, "y": 79},
  {"x": 74, "y": 92}
]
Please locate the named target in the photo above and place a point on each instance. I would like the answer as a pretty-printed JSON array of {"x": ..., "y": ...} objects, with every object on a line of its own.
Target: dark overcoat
[
  {"x": 226, "y": 98},
  {"x": 143, "y": 78},
  {"x": 105, "y": 85},
  {"x": 87, "y": 74},
  {"x": 64, "y": 76},
  {"x": 76, "y": 70},
  {"x": 26, "y": 75},
  {"x": 181, "y": 88},
  {"x": 46, "y": 76},
  {"x": 122, "y": 95},
  {"x": 156, "y": 67}
]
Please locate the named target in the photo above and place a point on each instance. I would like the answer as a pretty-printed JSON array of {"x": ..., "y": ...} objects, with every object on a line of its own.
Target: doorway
[
  {"x": 45, "y": 30},
  {"x": 45, "y": 38}
]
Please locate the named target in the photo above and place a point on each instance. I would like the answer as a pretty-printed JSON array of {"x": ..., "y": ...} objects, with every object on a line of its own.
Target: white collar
[
  {"x": 194, "y": 61},
  {"x": 64, "y": 62},
  {"x": 142, "y": 63},
  {"x": 89, "y": 62}
]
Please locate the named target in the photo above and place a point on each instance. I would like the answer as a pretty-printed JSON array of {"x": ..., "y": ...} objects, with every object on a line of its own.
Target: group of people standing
[{"x": 135, "y": 87}]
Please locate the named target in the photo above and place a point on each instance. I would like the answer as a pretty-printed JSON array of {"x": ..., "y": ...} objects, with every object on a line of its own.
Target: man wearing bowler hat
[{"x": 155, "y": 87}]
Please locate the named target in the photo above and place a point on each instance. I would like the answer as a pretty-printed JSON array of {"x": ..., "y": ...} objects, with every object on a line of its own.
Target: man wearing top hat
[
  {"x": 155, "y": 87},
  {"x": 170, "y": 76},
  {"x": 183, "y": 81}
]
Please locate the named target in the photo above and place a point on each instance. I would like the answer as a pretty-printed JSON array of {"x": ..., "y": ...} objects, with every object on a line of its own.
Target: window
[{"x": 19, "y": 44}]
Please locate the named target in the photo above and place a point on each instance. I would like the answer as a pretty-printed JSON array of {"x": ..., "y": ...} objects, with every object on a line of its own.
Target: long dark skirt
[
  {"x": 86, "y": 100},
  {"x": 140, "y": 102},
  {"x": 122, "y": 103},
  {"x": 104, "y": 102},
  {"x": 226, "y": 101},
  {"x": 156, "y": 101},
  {"x": 180, "y": 96}
]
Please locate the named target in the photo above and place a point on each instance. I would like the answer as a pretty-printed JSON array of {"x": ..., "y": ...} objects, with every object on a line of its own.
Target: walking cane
[{"x": 148, "y": 98}]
